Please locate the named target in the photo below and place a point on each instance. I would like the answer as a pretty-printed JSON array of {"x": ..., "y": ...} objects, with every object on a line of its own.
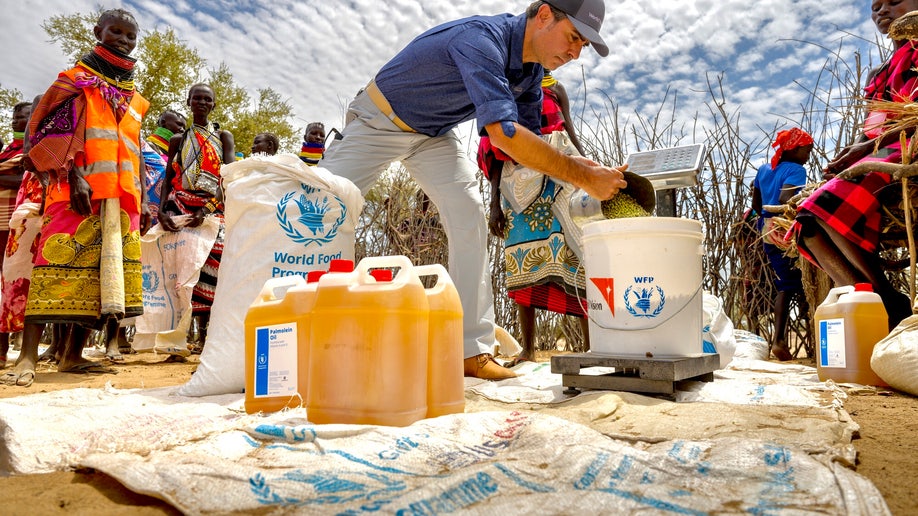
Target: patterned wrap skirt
[
  {"x": 542, "y": 271},
  {"x": 202, "y": 296},
  {"x": 66, "y": 286}
]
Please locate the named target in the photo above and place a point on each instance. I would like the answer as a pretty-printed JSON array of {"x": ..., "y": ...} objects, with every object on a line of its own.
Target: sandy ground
[{"x": 887, "y": 447}]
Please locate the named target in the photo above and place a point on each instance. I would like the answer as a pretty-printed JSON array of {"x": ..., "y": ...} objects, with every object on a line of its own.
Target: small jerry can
[{"x": 849, "y": 323}]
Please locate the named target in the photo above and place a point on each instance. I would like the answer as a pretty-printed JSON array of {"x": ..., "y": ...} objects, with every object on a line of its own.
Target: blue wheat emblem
[
  {"x": 150, "y": 281},
  {"x": 644, "y": 301},
  {"x": 325, "y": 488},
  {"x": 312, "y": 206}
]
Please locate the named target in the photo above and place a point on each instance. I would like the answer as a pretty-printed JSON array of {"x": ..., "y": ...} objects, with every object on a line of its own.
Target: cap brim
[{"x": 592, "y": 36}]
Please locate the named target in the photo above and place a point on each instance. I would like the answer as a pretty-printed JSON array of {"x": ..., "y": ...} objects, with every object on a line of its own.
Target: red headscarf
[{"x": 787, "y": 140}]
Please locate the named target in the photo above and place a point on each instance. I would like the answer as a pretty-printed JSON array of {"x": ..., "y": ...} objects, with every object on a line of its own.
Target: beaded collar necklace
[{"x": 115, "y": 67}]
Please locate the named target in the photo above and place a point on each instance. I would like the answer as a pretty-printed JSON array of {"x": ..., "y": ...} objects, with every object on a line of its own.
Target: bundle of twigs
[
  {"x": 784, "y": 215},
  {"x": 904, "y": 27}
]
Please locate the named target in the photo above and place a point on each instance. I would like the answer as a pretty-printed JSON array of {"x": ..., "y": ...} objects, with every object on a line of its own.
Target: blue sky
[{"x": 318, "y": 54}]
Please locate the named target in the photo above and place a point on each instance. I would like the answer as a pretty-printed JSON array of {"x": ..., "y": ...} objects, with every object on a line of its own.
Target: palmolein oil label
[
  {"x": 275, "y": 360},
  {"x": 832, "y": 343}
]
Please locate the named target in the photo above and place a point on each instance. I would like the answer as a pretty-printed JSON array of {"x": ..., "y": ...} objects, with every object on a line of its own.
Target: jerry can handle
[
  {"x": 433, "y": 269},
  {"x": 269, "y": 290},
  {"x": 835, "y": 293},
  {"x": 404, "y": 275}
]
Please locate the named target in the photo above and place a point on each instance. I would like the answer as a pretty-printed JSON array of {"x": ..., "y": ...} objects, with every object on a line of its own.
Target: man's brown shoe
[{"x": 485, "y": 367}]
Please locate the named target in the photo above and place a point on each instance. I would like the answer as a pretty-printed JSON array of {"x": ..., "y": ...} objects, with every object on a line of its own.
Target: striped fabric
[
  {"x": 7, "y": 205},
  {"x": 202, "y": 295},
  {"x": 549, "y": 297},
  {"x": 8, "y": 195}
]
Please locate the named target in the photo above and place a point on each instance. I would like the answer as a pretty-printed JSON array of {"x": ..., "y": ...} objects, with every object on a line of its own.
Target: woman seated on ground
[{"x": 838, "y": 226}]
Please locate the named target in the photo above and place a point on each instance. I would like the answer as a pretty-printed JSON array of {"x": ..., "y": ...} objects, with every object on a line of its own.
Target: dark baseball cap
[{"x": 587, "y": 17}]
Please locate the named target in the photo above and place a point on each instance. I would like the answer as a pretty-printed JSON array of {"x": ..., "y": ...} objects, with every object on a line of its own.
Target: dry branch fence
[{"x": 397, "y": 219}]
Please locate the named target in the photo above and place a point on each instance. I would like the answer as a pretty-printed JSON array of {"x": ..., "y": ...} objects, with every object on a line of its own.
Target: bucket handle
[{"x": 659, "y": 323}]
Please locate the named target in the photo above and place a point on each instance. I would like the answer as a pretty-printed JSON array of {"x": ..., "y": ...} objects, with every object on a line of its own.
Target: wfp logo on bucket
[
  {"x": 644, "y": 299},
  {"x": 313, "y": 217}
]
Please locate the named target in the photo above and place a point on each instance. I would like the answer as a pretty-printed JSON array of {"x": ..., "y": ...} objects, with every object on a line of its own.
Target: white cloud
[
  {"x": 28, "y": 61},
  {"x": 319, "y": 53}
]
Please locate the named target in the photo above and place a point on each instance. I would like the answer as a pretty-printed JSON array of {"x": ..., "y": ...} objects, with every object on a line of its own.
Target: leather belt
[{"x": 379, "y": 100}]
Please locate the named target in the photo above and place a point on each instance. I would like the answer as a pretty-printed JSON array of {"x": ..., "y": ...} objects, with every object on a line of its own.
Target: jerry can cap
[
  {"x": 339, "y": 265},
  {"x": 863, "y": 287},
  {"x": 313, "y": 276},
  {"x": 381, "y": 275}
]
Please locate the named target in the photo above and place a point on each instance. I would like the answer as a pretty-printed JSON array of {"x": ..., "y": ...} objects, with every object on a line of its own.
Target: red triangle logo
[{"x": 607, "y": 290}]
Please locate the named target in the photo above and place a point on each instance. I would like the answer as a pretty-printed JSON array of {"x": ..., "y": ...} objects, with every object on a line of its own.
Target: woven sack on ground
[{"x": 895, "y": 358}]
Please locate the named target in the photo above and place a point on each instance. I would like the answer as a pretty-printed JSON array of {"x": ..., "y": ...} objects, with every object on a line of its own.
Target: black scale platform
[{"x": 633, "y": 374}]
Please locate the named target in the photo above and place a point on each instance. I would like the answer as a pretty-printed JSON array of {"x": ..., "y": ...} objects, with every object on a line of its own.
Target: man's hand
[
  {"x": 529, "y": 150},
  {"x": 605, "y": 182}
]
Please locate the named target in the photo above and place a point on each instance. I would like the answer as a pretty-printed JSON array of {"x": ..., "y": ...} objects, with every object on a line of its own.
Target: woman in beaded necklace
[
  {"x": 313, "y": 144},
  {"x": 169, "y": 123},
  {"x": 194, "y": 161},
  {"x": 84, "y": 135},
  {"x": 192, "y": 187}
]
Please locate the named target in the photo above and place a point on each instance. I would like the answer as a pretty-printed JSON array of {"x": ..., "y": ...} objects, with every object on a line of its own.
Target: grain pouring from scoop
[{"x": 622, "y": 206}]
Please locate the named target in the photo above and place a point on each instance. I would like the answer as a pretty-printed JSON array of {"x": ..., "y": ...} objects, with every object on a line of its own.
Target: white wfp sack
[
  {"x": 895, "y": 358},
  {"x": 717, "y": 329},
  {"x": 750, "y": 346},
  {"x": 171, "y": 267},
  {"x": 282, "y": 218}
]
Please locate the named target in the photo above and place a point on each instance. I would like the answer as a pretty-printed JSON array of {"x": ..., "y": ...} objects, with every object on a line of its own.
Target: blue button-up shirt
[{"x": 465, "y": 69}]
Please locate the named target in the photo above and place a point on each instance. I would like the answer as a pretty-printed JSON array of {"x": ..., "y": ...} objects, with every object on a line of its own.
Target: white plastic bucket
[{"x": 643, "y": 286}]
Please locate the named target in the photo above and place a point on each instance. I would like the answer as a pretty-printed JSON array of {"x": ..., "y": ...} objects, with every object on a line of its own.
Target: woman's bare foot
[
  {"x": 83, "y": 367},
  {"x": 781, "y": 353}
]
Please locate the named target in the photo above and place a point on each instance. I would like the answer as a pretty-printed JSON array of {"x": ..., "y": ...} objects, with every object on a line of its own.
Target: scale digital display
[{"x": 674, "y": 167}]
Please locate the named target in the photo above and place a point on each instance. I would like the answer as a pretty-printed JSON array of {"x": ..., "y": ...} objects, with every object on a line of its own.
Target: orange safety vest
[{"x": 111, "y": 162}]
